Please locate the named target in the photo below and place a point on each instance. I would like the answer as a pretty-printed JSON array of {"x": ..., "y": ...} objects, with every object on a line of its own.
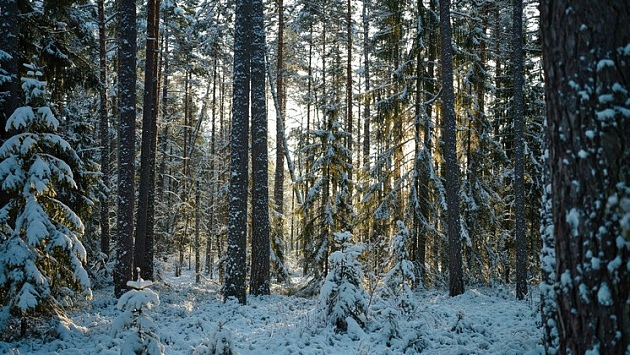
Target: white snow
[
  {"x": 590, "y": 134},
  {"x": 193, "y": 319},
  {"x": 603, "y": 63},
  {"x": 605, "y": 114},
  {"x": 573, "y": 219},
  {"x": 603, "y": 295}
]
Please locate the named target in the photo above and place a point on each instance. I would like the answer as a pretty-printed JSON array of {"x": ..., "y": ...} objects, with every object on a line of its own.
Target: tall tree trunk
[
  {"x": 366, "y": 67},
  {"x": 103, "y": 130},
  {"x": 278, "y": 190},
  {"x": 449, "y": 128},
  {"x": 214, "y": 176},
  {"x": 126, "y": 154},
  {"x": 235, "y": 265},
  {"x": 349, "y": 90},
  {"x": 260, "y": 278},
  {"x": 197, "y": 230},
  {"x": 519, "y": 148},
  {"x": 143, "y": 250},
  {"x": 586, "y": 56}
]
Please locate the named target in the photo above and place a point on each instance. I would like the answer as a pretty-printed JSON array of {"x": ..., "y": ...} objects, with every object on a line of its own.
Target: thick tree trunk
[
  {"x": 143, "y": 249},
  {"x": 449, "y": 132},
  {"x": 126, "y": 155},
  {"x": 586, "y": 56},
  {"x": 519, "y": 150},
  {"x": 260, "y": 277},
  {"x": 235, "y": 265}
]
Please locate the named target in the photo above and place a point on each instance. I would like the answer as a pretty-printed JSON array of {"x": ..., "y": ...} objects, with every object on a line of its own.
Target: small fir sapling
[
  {"x": 39, "y": 233},
  {"x": 219, "y": 343},
  {"x": 399, "y": 280},
  {"x": 135, "y": 322},
  {"x": 342, "y": 296}
]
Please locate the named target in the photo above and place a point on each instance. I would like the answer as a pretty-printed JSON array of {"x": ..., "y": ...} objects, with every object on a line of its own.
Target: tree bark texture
[
  {"x": 586, "y": 57},
  {"x": 103, "y": 131},
  {"x": 235, "y": 267},
  {"x": 449, "y": 132},
  {"x": 126, "y": 154},
  {"x": 260, "y": 274},
  {"x": 143, "y": 249},
  {"x": 519, "y": 149}
]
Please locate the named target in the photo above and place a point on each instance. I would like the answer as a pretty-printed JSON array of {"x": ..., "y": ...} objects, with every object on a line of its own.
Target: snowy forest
[{"x": 314, "y": 177}]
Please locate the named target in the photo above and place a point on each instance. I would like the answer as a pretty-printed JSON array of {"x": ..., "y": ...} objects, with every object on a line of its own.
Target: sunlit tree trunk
[{"x": 235, "y": 267}]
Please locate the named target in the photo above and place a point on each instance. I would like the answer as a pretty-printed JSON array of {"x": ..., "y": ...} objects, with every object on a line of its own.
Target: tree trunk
[
  {"x": 449, "y": 128},
  {"x": 235, "y": 264},
  {"x": 349, "y": 91},
  {"x": 103, "y": 130},
  {"x": 519, "y": 148},
  {"x": 278, "y": 191},
  {"x": 126, "y": 155},
  {"x": 260, "y": 278},
  {"x": 586, "y": 51},
  {"x": 144, "y": 230}
]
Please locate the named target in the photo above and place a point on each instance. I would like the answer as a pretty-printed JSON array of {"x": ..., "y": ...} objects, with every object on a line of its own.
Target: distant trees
[
  {"x": 450, "y": 151},
  {"x": 586, "y": 56}
]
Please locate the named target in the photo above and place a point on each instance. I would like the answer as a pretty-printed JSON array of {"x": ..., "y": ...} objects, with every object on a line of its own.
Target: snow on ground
[{"x": 481, "y": 321}]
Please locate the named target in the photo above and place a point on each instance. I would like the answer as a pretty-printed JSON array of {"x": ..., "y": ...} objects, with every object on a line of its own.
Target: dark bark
[
  {"x": 586, "y": 55},
  {"x": 278, "y": 190},
  {"x": 519, "y": 148},
  {"x": 103, "y": 131},
  {"x": 366, "y": 68},
  {"x": 143, "y": 249},
  {"x": 197, "y": 231},
  {"x": 260, "y": 277},
  {"x": 126, "y": 155},
  {"x": 235, "y": 267},
  {"x": 349, "y": 88},
  {"x": 449, "y": 128}
]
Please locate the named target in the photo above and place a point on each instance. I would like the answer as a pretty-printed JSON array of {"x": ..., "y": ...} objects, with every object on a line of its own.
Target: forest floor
[{"x": 484, "y": 320}]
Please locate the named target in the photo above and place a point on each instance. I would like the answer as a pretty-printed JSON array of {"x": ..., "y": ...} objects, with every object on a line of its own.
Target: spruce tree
[{"x": 40, "y": 234}]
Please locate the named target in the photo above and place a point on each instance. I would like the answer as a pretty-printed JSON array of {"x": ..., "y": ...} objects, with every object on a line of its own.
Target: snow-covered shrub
[
  {"x": 392, "y": 329},
  {"x": 342, "y": 295},
  {"x": 400, "y": 278},
  {"x": 135, "y": 323},
  {"x": 42, "y": 256},
  {"x": 218, "y": 343}
]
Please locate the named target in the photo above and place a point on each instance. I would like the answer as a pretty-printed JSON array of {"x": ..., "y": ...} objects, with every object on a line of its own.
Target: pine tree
[
  {"x": 260, "y": 274},
  {"x": 456, "y": 283},
  {"x": 40, "y": 234},
  {"x": 235, "y": 270},
  {"x": 126, "y": 155}
]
